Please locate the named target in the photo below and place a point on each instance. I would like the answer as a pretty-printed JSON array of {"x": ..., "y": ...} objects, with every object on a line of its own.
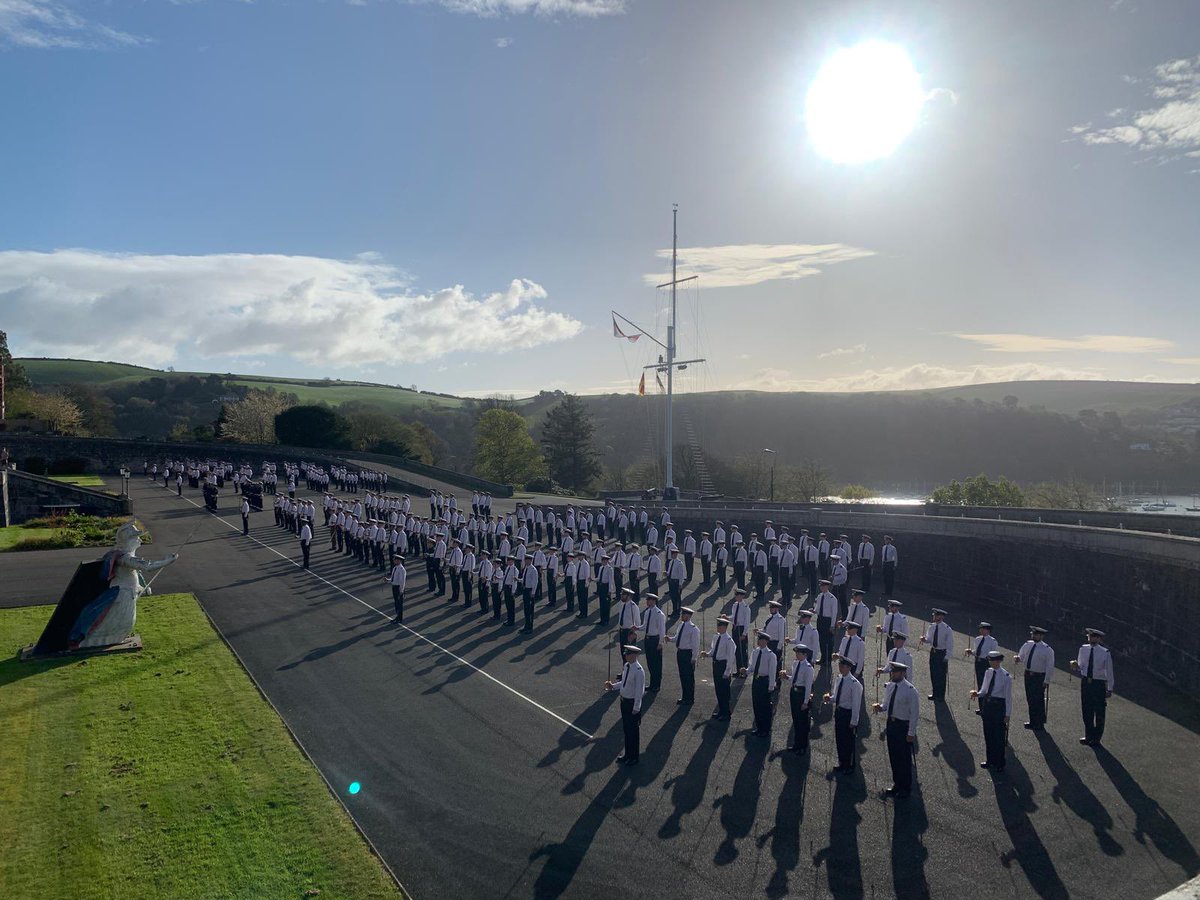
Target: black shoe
[
  {"x": 931, "y": 697},
  {"x": 716, "y": 715},
  {"x": 631, "y": 762},
  {"x": 723, "y": 718},
  {"x": 652, "y": 690},
  {"x": 984, "y": 765},
  {"x": 621, "y": 758},
  {"x": 890, "y": 792},
  {"x": 1084, "y": 740}
]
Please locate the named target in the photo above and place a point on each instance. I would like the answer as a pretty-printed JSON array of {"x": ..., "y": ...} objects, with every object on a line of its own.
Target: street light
[
  {"x": 773, "y": 454},
  {"x": 124, "y": 472}
]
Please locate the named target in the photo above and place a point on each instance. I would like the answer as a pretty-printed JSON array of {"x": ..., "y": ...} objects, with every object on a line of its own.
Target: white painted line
[{"x": 392, "y": 619}]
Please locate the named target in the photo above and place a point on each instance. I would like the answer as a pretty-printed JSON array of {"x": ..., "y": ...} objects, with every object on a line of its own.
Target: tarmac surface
[{"x": 486, "y": 757}]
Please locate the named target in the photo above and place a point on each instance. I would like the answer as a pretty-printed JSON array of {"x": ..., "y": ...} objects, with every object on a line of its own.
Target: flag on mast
[
  {"x": 661, "y": 387},
  {"x": 617, "y": 332},
  {"x": 642, "y": 386}
]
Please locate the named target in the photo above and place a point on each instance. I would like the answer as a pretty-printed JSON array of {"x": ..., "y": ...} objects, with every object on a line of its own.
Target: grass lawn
[
  {"x": 17, "y": 534},
  {"x": 161, "y": 773},
  {"x": 82, "y": 480}
]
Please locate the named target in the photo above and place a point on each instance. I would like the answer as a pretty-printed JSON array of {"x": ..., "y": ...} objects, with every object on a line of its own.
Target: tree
[
  {"x": 372, "y": 430},
  {"x": 1010, "y": 401},
  {"x": 57, "y": 410},
  {"x": 567, "y": 444},
  {"x": 810, "y": 482},
  {"x": 979, "y": 491},
  {"x": 312, "y": 426},
  {"x": 504, "y": 451},
  {"x": 856, "y": 492},
  {"x": 251, "y": 420},
  {"x": 15, "y": 378}
]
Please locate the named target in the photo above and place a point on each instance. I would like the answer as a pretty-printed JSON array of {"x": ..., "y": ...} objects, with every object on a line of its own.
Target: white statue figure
[{"x": 109, "y": 619}]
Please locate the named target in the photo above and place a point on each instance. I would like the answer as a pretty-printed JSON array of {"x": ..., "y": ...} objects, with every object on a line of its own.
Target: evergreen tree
[
  {"x": 15, "y": 378},
  {"x": 567, "y": 444}
]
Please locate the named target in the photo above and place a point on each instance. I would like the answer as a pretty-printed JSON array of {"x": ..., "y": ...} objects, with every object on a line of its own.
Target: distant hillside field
[{"x": 82, "y": 371}]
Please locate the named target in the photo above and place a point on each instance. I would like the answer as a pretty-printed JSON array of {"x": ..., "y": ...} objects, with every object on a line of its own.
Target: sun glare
[{"x": 863, "y": 103}]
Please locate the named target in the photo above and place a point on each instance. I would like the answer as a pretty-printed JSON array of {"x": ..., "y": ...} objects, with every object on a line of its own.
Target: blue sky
[{"x": 455, "y": 194}]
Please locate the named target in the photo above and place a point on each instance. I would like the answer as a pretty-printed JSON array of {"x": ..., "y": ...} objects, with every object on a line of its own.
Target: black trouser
[
  {"x": 1094, "y": 701},
  {"x": 454, "y": 584},
  {"x": 938, "y": 666},
  {"x": 993, "y": 732},
  {"x": 811, "y": 569},
  {"x": 245, "y": 523},
  {"x": 760, "y": 582},
  {"x": 739, "y": 575},
  {"x": 654, "y": 661},
  {"x": 618, "y": 581},
  {"x": 722, "y": 686},
  {"x": 510, "y": 605},
  {"x": 844, "y": 734},
  {"x": 581, "y": 596},
  {"x": 635, "y": 584},
  {"x": 823, "y": 566},
  {"x": 527, "y": 605},
  {"x": 981, "y": 666},
  {"x": 429, "y": 571},
  {"x": 483, "y": 596},
  {"x": 689, "y": 564},
  {"x": 398, "y": 602},
  {"x": 706, "y": 570},
  {"x": 865, "y": 581},
  {"x": 631, "y": 723},
  {"x": 496, "y": 601},
  {"x": 569, "y": 584},
  {"x": 889, "y": 578},
  {"x": 551, "y": 588},
  {"x": 652, "y": 583},
  {"x": 604, "y": 601},
  {"x": 305, "y": 549},
  {"x": 801, "y": 717},
  {"x": 687, "y": 675},
  {"x": 466, "y": 588},
  {"x": 787, "y": 582},
  {"x": 742, "y": 652},
  {"x": 439, "y": 572},
  {"x": 899, "y": 755},
  {"x": 676, "y": 590},
  {"x": 1035, "y": 695},
  {"x": 760, "y": 695},
  {"x": 825, "y": 639},
  {"x": 627, "y": 636}
]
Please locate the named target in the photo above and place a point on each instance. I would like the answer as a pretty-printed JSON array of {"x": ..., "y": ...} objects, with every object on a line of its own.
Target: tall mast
[{"x": 670, "y": 479}]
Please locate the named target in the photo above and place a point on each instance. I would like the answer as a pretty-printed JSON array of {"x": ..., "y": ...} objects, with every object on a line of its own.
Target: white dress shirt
[
  {"x": 1102, "y": 669},
  {"x": 801, "y": 677},
  {"x": 763, "y": 664},
  {"x": 982, "y": 645},
  {"x": 398, "y": 577},
  {"x": 739, "y": 616},
  {"x": 997, "y": 685},
  {"x": 907, "y": 706},
  {"x": 860, "y": 613},
  {"x": 632, "y": 684},
  {"x": 895, "y": 621},
  {"x": 776, "y": 627},
  {"x": 807, "y": 635},
  {"x": 850, "y": 696},
  {"x": 854, "y": 649},
  {"x": 654, "y": 622},
  {"x": 826, "y": 606},
  {"x": 944, "y": 634},
  {"x": 687, "y": 636},
  {"x": 724, "y": 648},
  {"x": 1037, "y": 656},
  {"x": 630, "y": 615}
]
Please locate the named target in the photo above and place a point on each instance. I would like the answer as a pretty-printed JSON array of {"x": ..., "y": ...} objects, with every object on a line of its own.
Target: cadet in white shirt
[
  {"x": 847, "y": 698},
  {"x": 889, "y": 557},
  {"x": 995, "y": 705},
  {"x": 764, "y": 669},
  {"x": 632, "y": 685},
  {"x": 305, "y": 542},
  {"x": 1095, "y": 668},
  {"x": 397, "y": 579},
  {"x": 629, "y": 617},
  {"x": 687, "y": 648},
  {"x": 825, "y": 608},
  {"x": 724, "y": 657},
  {"x": 775, "y": 627},
  {"x": 484, "y": 579},
  {"x": 979, "y": 648},
  {"x": 654, "y": 631},
  {"x": 898, "y": 654},
  {"x": 245, "y": 516},
  {"x": 940, "y": 638},
  {"x": 739, "y": 621},
  {"x": 903, "y": 707},
  {"x": 800, "y": 695},
  {"x": 866, "y": 560},
  {"x": 852, "y": 648},
  {"x": 858, "y": 611},
  {"x": 806, "y": 634},
  {"x": 1038, "y": 658},
  {"x": 893, "y": 620}
]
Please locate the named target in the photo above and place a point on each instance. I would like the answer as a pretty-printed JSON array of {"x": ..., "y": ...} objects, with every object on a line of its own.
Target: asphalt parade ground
[{"x": 486, "y": 757}]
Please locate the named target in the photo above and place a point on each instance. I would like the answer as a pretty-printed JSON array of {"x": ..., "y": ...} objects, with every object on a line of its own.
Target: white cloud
[
  {"x": 47, "y": 24},
  {"x": 1097, "y": 343},
  {"x": 503, "y": 42},
  {"x": 738, "y": 265},
  {"x": 324, "y": 312},
  {"x": 1166, "y": 128},
  {"x": 843, "y": 351},
  {"x": 586, "y": 8},
  {"x": 1183, "y": 360},
  {"x": 920, "y": 376}
]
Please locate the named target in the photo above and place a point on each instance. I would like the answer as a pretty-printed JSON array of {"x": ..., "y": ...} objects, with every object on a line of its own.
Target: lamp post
[
  {"x": 773, "y": 455},
  {"x": 124, "y": 472}
]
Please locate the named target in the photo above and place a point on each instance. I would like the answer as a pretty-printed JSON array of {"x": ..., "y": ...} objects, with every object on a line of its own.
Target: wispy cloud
[
  {"x": 1183, "y": 360},
  {"x": 47, "y": 24},
  {"x": 842, "y": 351},
  {"x": 738, "y": 265},
  {"x": 324, "y": 312},
  {"x": 503, "y": 42},
  {"x": 1096, "y": 343},
  {"x": 1169, "y": 126},
  {"x": 585, "y": 8},
  {"x": 921, "y": 376}
]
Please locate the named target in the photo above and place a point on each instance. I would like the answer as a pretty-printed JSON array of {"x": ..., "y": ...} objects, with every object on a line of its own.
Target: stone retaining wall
[{"x": 27, "y": 496}]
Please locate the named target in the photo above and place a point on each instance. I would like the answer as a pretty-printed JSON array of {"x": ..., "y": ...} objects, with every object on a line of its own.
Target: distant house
[{"x": 1140, "y": 446}]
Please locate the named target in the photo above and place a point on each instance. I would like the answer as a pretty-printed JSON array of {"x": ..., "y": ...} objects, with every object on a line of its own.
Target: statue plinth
[{"x": 130, "y": 644}]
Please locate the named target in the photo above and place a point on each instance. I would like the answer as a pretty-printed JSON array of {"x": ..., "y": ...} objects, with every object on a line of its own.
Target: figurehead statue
[{"x": 99, "y": 607}]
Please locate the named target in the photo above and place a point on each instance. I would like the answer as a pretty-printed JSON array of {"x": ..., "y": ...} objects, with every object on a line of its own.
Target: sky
[{"x": 455, "y": 194}]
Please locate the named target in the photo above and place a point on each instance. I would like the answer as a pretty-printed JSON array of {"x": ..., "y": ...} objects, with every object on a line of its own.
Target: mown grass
[
  {"x": 82, "y": 480},
  {"x": 19, "y": 537},
  {"x": 161, "y": 773},
  {"x": 59, "y": 532}
]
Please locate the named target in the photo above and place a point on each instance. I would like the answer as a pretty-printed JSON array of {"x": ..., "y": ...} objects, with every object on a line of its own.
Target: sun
[{"x": 863, "y": 103}]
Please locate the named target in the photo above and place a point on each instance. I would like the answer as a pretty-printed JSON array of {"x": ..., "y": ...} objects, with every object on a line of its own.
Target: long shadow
[
  {"x": 954, "y": 750},
  {"x": 563, "y": 654},
  {"x": 739, "y": 806},
  {"x": 1071, "y": 790},
  {"x": 654, "y": 755},
  {"x": 1014, "y": 797},
  {"x": 329, "y": 649},
  {"x": 789, "y": 814},
  {"x": 843, "y": 865},
  {"x": 909, "y": 854},
  {"x": 589, "y": 720},
  {"x": 543, "y": 639},
  {"x": 1151, "y": 819},
  {"x": 687, "y": 788}
]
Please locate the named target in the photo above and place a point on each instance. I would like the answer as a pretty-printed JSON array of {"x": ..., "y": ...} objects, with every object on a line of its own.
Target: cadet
[
  {"x": 858, "y": 611},
  {"x": 847, "y": 698},
  {"x": 305, "y": 542},
  {"x": 853, "y": 648},
  {"x": 654, "y": 630},
  {"x": 724, "y": 657},
  {"x": 825, "y": 608},
  {"x": 676, "y": 573},
  {"x": 629, "y": 617},
  {"x": 903, "y": 707},
  {"x": 775, "y": 627},
  {"x": 800, "y": 695},
  {"x": 889, "y": 558},
  {"x": 866, "y": 559},
  {"x": 687, "y": 647},
  {"x": 984, "y": 644},
  {"x": 396, "y": 579},
  {"x": 995, "y": 705},
  {"x": 605, "y": 584},
  {"x": 940, "y": 638},
  {"x": 1095, "y": 668},
  {"x": 706, "y": 554},
  {"x": 806, "y": 634},
  {"x": 898, "y": 654},
  {"x": 739, "y": 621},
  {"x": 764, "y": 668},
  {"x": 245, "y": 516},
  {"x": 722, "y": 560},
  {"x": 1038, "y": 658},
  {"x": 529, "y": 583},
  {"x": 632, "y": 685}
]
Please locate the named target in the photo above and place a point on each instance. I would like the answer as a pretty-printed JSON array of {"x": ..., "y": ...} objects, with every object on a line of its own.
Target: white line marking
[{"x": 411, "y": 631}]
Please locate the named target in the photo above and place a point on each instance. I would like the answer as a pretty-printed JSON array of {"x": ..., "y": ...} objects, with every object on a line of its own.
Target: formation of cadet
[{"x": 488, "y": 559}]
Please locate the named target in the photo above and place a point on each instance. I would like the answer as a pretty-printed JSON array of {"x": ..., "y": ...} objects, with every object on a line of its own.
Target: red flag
[
  {"x": 642, "y": 386},
  {"x": 617, "y": 332},
  {"x": 659, "y": 380}
]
